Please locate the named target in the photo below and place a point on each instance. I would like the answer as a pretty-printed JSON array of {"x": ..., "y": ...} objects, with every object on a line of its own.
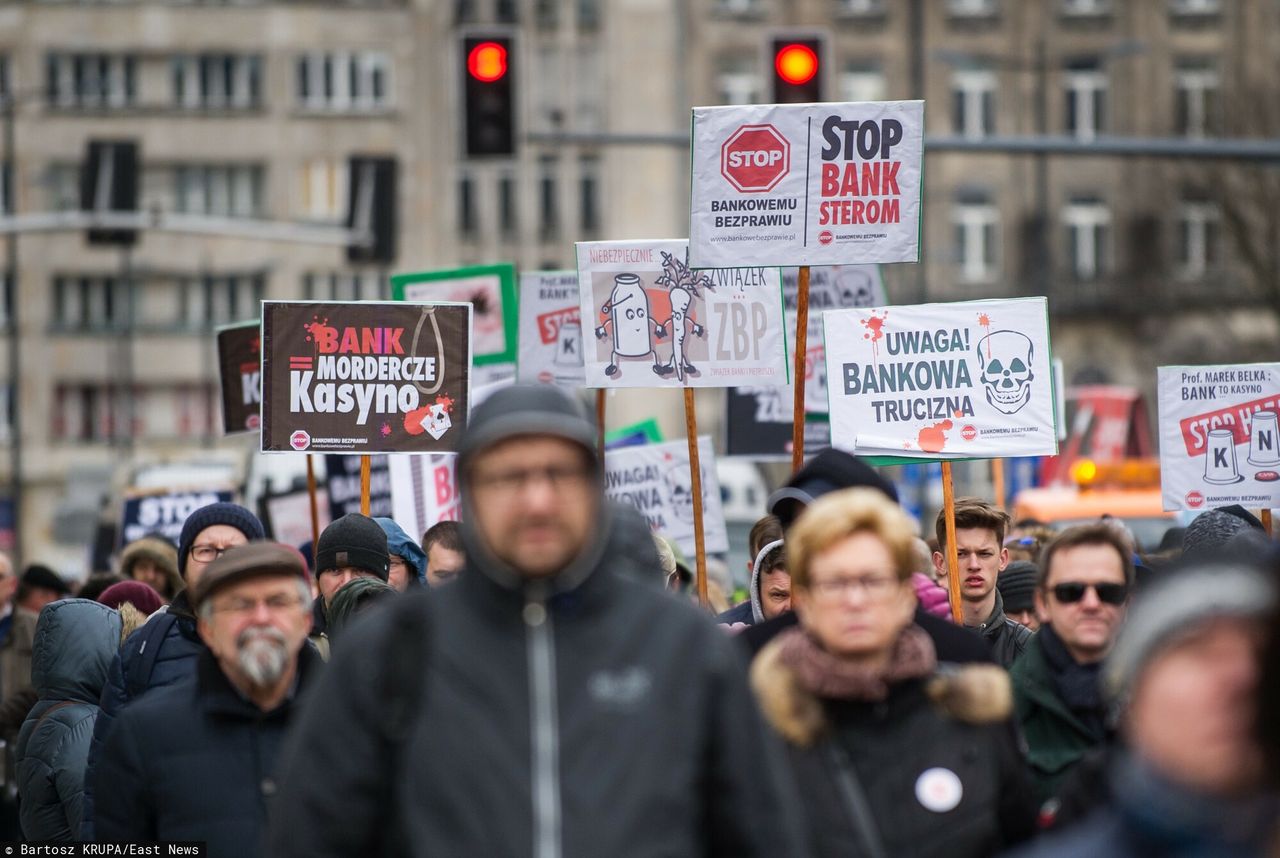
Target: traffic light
[
  {"x": 109, "y": 183},
  {"x": 488, "y": 96},
  {"x": 797, "y": 70},
  {"x": 371, "y": 205}
]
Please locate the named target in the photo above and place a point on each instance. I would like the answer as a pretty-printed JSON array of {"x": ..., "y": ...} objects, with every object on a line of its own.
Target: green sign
[{"x": 489, "y": 289}]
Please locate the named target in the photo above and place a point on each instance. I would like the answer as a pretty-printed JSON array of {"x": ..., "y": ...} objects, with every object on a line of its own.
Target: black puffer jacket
[
  {"x": 944, "y": 742},
  {"x": 593, "y": 715},
  {"x": 74, "y": 643},
  {"x": 194, "y": 761}
]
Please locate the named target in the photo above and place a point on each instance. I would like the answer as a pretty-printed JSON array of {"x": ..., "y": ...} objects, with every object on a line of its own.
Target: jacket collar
[
  {"x": 1032, "y": 677},
  {"x": 217, "y": 696},
  {"x": 995, "y": 622}
]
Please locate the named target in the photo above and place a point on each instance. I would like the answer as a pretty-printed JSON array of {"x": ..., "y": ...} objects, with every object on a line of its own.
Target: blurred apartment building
[{"x": 251, "y": 109}]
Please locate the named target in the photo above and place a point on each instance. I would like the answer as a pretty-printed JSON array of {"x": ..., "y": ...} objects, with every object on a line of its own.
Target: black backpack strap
[
  {"x": 855, "y": 798},
  {"x": 154, "y": 632}
]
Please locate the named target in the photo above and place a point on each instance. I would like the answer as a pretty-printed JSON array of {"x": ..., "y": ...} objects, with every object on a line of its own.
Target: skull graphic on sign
[{"x": 1005, "y": 358}]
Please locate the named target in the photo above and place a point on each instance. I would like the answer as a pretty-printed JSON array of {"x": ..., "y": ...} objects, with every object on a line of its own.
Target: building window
[
  {"x": 737, "y": 7},
  {"x": 1199, "y": 237},
  {"x": 973, "y": 8},
  {"x": 860, "y": 8},
  {"x": 221, "y": 190},
  {"x": 1192, "y": 8},
  {"x": 468, "y": 221},
  {"x": 217, "y": 81},
  {"x": 6, "y": 187},
  {"x": 4, "y": 75},
  {"x": 977, "y": 225},
  {"x": 547, "y": 14},
  {"x": 862, "y": 82},
  {"x": 508, "y": 218},
  {"x": 589, "y": 187},
  {"x": 62, "y": 185},
  {"x": 220, "y": 299},
  {"x": 344, "y": 81},
  {"x": 103, "y": 412},
  {"x": 1088, "y": 223},
  {"x": 1086, "y": 98},
  {"x": 6, "y": 301},
  {"x": 1197, "y": 99},
  {"x": 973, "y": 102},
  {"x": 323, "y": 186},
  {"x": 91, "y": 80},
  {"x": 342, "y": 286},
  {"x": 738, "y": 81},
  {"x": 1086, "y": 8},
  {"x": 548, "y": 202},
  {"x": 588, "y": 14},
  {"x": 88, "y": 303},
  {"x": 504, "y": 11}
]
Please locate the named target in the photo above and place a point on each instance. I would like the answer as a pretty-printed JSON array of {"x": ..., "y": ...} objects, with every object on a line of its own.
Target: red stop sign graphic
[{"x": 755, "y": 158}]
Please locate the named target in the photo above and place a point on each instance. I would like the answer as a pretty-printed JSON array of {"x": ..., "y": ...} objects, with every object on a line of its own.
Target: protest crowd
[{"x": 534, "y": 680}]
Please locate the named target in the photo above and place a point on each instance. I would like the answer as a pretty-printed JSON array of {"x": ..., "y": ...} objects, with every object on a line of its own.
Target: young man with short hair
[{"x": 980, "y": 530}]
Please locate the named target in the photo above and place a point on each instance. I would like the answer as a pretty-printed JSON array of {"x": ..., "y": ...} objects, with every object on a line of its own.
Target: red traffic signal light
[
  {"x": 487, "y": 62},
  {"x": 796, "y": 63}
]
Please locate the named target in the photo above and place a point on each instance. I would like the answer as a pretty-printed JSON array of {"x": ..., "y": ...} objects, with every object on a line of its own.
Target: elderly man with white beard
[{"x": 196, "y": 761}]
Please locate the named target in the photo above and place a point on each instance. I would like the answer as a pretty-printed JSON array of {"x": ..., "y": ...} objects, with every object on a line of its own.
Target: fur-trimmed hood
[
  {"x": 972, "y": 693},
  {"x": 160, "y": 552}
]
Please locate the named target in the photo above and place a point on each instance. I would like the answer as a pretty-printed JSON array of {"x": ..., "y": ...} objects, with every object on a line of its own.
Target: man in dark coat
[
  {"x": 164, "y": 650},
  {"x": 554, "y": 705},
  {"x": 196, "y": 760},
  {"x": 980, "y": 530}
]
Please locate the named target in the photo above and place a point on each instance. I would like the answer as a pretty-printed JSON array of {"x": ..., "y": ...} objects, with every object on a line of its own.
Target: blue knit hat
[{"x": 230, "y": 514}]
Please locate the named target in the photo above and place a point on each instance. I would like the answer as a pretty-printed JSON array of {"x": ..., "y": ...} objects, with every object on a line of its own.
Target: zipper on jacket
[{"x": 545, "y": 727}]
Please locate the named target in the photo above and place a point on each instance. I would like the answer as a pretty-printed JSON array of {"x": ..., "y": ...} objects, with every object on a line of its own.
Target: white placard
[
  {"x": 550, "y": 328},
  {"x": 806, "y": 184},
  {"x": 650, "y": 321},
  {"x": 424, "y": 491},
  {"x": 1220, "y": 436},
  {"x": 831, "y": 287},
  {"x": 942, "y": 381},
  {"x": 655, "y": 479}
]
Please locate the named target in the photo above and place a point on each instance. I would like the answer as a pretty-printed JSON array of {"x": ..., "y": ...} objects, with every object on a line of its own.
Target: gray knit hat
[
  {"x": 1176, "y": 606},
  {"x": 1017, "y": 586},
  {"x": 527, "y": 409}
]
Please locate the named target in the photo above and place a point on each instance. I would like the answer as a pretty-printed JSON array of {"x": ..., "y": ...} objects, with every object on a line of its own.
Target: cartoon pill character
[
  {"x": 628, "y": 311},
  {"x": 681, "y": 298}
]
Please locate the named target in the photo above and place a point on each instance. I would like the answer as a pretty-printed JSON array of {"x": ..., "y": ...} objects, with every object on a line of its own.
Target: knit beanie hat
[
  {"x": 353, "y": 540},
  {"x": 829, "y": 471},
  {"x": 230, "y": 514},
  {"x": 1177, "y": 606},
  {"x": 135, "y": 593},
  {"x": 1017, "y": 586},
  {"x": 527, "y": 409},
  {"x": 44, "y": 578}
]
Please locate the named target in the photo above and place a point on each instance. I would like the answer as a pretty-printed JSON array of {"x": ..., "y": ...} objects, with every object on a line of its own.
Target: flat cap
[{"x": 252, "y": 560}]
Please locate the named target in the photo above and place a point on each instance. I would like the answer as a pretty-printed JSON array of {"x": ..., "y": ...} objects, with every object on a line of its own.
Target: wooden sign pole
[
  {"x": 1266, "y": 521},
  {"x": 600, "y": 422},
  {"x": 315, "y": 510},
  {"x": 797, "y": 381},
  {"x": 366, "y": 466},
  {"x": 953, "y": 557},
  {"x": 997, "y": 482},
  {"x": 695, "y": 474}
]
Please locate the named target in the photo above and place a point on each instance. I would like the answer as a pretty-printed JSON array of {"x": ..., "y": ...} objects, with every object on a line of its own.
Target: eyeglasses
[
  {"x": 558, "y": 477},
  {"x": 1073, "y": 591},
  {"x": 243, "y": 607},
  {"x": 874, "y": 587},
  {"x": 206, "y": 553}
]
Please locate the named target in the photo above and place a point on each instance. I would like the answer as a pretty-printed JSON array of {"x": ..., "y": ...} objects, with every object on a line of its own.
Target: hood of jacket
[
  {"x": 399, "y": 542},
  {"x": 757, "y": 601},
  {"x": 74, "y": 644},
  {"x": 158, "y": 551},
  {"x": 974, "y": 693}
]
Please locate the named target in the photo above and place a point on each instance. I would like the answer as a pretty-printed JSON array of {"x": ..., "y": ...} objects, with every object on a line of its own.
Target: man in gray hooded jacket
[
  {"x": 563, "y": 707},
  {"x": 770, "y": 589}
]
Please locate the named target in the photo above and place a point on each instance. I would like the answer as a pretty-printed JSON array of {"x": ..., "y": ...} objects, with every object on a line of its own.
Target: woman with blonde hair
[{"x": 893, "y": 755}]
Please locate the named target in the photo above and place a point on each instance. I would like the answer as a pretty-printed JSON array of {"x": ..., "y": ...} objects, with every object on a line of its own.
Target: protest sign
[
  {"x": 652, "y": 322},
  {"x": 164, "y": 512},
  {"x": 758, "y": 423},
  {"x": 364, "y": 377},
  {"x": 287, "y": 515},
  {"x": 831, "y": 287},
  {"x": 942, "y": 381},
  {"x": 240, "y": 366},
  {"x": 489, "y": 289},
  {"x": 644, "y": 432},
  {"x": 1219, "y": 436},
  {"x": 806, "y": 184},
  {"x": 550, "y": 328},
  {"x": 342, "y": 479},
  {"x": 424, "y": 491},
  {"x": 656, "y": 480}
]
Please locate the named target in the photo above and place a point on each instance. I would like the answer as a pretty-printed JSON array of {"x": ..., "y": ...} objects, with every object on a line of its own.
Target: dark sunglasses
[{"x": 1071, "y": 592}]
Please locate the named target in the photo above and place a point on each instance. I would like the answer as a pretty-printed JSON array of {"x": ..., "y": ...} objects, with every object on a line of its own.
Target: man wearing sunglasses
[{"x": 1085, "y": 577}]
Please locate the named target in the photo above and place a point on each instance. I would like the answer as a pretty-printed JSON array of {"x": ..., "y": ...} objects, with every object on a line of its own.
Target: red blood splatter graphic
[
  {"x": 446, "y": 403},
  {"x": 316, "y": 327},
  {"x": 875, "y": 331},
  {"x": 413, "y": 420},
  {"x": 985, "y": 321},
  {"x": 385, "y": 430},
  {"x": 933, "y": 438}
]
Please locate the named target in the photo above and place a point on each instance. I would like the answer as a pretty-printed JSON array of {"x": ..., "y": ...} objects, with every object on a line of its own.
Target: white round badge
[{"x": 939, "y": 790}]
